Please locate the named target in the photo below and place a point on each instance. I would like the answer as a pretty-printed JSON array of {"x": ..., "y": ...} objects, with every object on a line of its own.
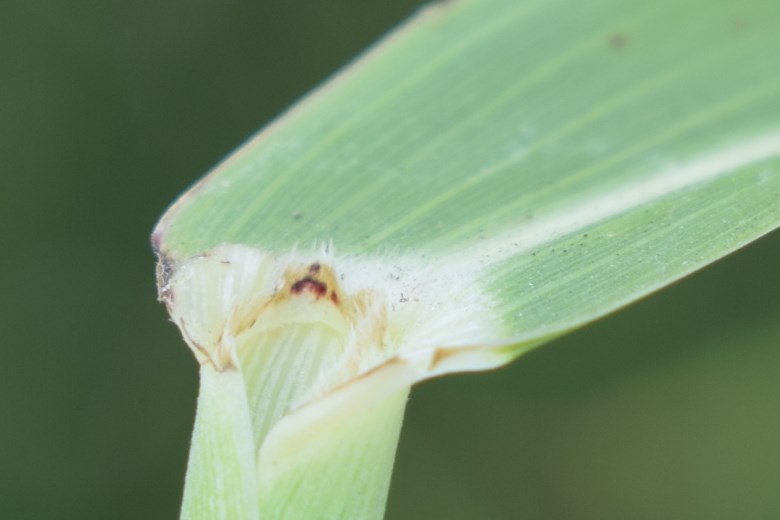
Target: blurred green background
[{"x": 669, "y": 409}]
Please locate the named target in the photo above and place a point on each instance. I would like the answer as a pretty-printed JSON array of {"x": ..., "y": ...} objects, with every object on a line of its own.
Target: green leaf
[
  {"x": 490, "y": 176},
  {"x": 570, "y": 157}
]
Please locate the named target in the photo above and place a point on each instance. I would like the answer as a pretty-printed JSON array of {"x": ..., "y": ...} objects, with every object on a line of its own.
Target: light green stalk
[{"x": 221, "y": 471}]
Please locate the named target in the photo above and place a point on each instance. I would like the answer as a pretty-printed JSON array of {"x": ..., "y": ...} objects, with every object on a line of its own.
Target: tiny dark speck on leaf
[
  {"x": 738, "y": 26},
  {"x": 618, "y": 41}
]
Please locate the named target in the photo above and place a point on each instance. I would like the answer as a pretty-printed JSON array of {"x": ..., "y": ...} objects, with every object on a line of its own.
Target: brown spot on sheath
[
  {"x": 318, "y": 280},
  {"x": 307, "y": 283}
]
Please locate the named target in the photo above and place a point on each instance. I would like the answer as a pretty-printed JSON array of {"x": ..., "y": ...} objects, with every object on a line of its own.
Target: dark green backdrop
[{"x": 108, "y": 110}]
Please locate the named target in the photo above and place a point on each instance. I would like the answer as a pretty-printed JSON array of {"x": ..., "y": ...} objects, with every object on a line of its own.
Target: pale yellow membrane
[{"x": 318, "y": 338}]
